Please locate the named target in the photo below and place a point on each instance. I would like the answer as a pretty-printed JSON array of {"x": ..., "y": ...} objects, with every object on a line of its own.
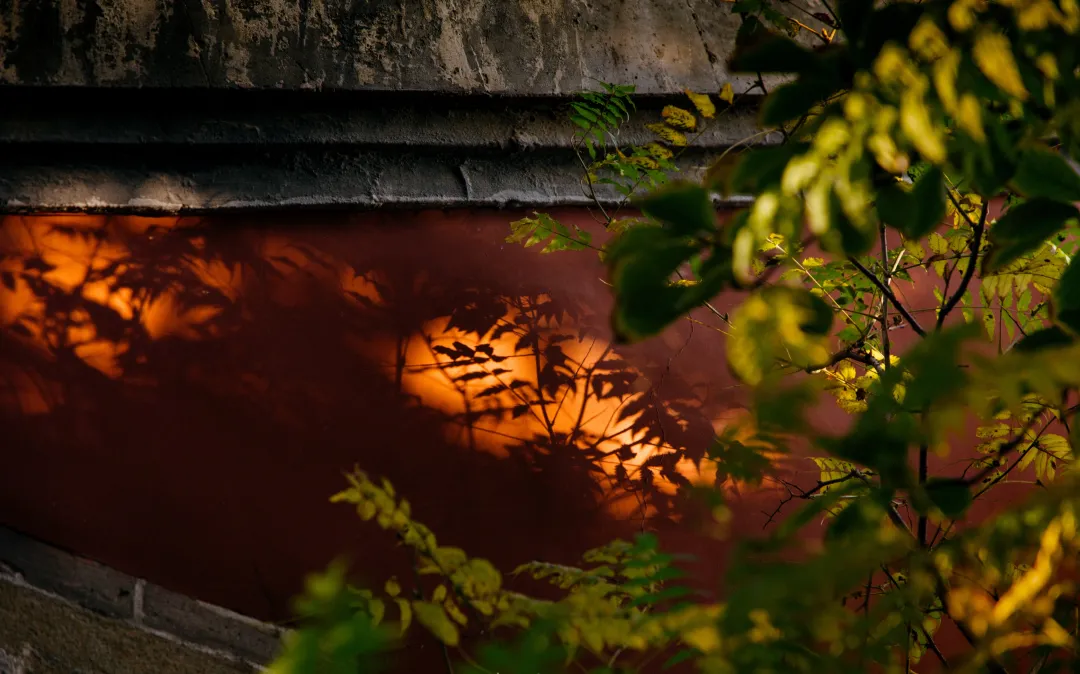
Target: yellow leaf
[
  {"x": 703, "y": 104},
  {"x": 439, "y": 594},
  {"x": 939, "y": 245},
  {"x": 919, "y": 127},
  {"x": 962, "y": 13},
  {"x": 392, "y": 587},
  {"x": 406, "y": 614},
  {"x": 705, "y": 638},
  {"x": 914, "y": 248},
  {"x": 945, "y": 71},
  {"x": 846, "y": 371},
  {"x": 455, "y": 613},
  {"x": 668, "y": 134},
  {"x": 927, "y": 40},
  {"x": 659, "y": 151},
  {"x": 449, "y": 559},
  {"x": 377, "y": 609},
  {"x": 727, "y": 94},
  {"x": 993, "y": 55},
  {"x": 678, "y": 118},
  {"x": 434, "y": 618},
  {"x": 969, "y": 117},
  {"x": 366, "y": 510}
]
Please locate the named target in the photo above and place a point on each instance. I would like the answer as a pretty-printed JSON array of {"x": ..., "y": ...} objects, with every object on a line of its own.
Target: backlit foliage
[{"x": 926, "y": 146}]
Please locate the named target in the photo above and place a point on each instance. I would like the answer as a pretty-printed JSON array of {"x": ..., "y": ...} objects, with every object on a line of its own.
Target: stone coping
[{"x": 133, "y": 603}]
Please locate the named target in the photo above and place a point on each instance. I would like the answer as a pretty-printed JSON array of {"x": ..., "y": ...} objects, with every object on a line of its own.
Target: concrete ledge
[
  {"x": 206, "y": 624},
  {"x": 136, "y": 606},
  {"x": 146, "y": 179},
  {"x": 149, "y": 152},
  {"x": 85, "y": 582},
  {"x": 71, "y": 115}
]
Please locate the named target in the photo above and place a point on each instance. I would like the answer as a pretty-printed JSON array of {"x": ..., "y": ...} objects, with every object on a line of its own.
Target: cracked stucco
[{"x": 523, "y": 47}]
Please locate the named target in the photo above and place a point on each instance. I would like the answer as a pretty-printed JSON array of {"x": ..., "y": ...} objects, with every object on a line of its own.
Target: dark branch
[
  {"x": 889, "y": 296},
  {"x": 976, "y": 243}
]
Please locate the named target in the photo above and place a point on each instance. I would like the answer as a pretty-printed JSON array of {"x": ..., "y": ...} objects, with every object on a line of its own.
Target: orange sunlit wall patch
[{"x": 515, "y": 376}]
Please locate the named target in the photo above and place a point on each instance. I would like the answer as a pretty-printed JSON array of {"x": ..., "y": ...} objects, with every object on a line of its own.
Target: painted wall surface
[{"x": 180, "y": 397}]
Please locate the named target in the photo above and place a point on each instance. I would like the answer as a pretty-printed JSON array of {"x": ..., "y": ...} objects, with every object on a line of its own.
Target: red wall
[{"x": 181, "y": 397}]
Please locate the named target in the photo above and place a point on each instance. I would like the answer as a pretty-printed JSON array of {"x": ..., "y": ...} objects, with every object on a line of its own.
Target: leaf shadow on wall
[{"x": 183, "y": 396}]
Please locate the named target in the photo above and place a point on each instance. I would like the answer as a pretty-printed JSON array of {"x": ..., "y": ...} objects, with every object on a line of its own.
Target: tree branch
[
  {"x": 976, "y": 243},
  {"x": 889, "y": 296}
]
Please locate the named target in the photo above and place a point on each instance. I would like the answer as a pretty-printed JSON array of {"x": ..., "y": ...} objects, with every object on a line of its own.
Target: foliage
[{"x": 924, "y": 145}]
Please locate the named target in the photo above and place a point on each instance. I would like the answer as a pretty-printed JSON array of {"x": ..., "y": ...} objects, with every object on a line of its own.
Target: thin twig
[
  {"x": 890, "y": 296},
  {"x": 976, "y": 243}
]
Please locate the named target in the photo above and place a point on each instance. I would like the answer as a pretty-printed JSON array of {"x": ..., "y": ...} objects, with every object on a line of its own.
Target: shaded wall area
[{"x": 181, "y": 396}]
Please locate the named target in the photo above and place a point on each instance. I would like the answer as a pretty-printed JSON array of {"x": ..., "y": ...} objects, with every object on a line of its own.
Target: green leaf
[
  {"x": 1045, "y": 173},
  {"x": 762, "y": 168},
  {"x": 990, "y": 164},
  {"x": 642, "y": 263},
  {"x": 434, "y": 618},
  {"x": 1023, "y": 229},
  {"x": 795, "y": 99},
  {"x": 1067, "y": 298},
  {"x": 952, "y": 497},
  {"x": 918, "y": 211},
  {"x": 682, "y": 656},
  {"x": 772, "y": 53},
  {"x": 778, "y": 322},
  {"x": 685, "y": 207}
]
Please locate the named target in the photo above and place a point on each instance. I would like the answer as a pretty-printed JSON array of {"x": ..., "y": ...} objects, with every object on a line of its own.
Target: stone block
[
  {"x": 85, "y": 582},
  {"x": 208, "y": 625}
]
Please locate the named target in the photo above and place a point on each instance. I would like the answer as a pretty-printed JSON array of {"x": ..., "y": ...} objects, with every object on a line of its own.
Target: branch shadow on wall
[{"x": 157, "y": 373}]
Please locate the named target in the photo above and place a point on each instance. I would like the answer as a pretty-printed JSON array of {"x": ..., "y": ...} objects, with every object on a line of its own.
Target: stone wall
[
  {"x": 520, "y": 47},
  {"x": 60, "y": 613}
]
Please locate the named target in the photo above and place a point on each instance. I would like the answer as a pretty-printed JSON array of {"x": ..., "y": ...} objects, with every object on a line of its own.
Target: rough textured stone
[
  {"x": 207, "y": 625},
  {"x": 85, "y": 582},
  {"x": 525, "y": 47},
  {"x": 43, "y": 635}
]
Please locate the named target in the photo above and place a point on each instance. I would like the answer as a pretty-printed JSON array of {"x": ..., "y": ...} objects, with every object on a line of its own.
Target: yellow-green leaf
[
  {"x": 778, "y": 322},
  {"x": 406, "y": 614},
  {"x": 727, "y": 94},
  {"x": 703, "y": 104},
  {"x": 392, "y": 587},
  {"x": 434, "y": 618},
  {"x": 456, "y": 613},
  {"x": 919, "y": 127},
  {"x": 678, "y": 118},
  {"x": 668, "y": 134},
  {"x": 993, "y": 55}
]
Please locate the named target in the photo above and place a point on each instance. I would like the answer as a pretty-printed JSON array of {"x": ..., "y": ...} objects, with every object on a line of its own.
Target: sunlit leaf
[
  {"x": 703, "y": 104},
  {"x": 993, "y": 55},
  {"x": 435, "y": 619},
  {"x": 1024, "y": 228}
]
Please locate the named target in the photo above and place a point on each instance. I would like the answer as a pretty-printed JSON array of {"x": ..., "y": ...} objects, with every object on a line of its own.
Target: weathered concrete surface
[
  {"x": 64, "y": 613},
  {"x": 126, "y": 180},
  {"x": 148, "y": 151},
  {"x": 40, "y": 634},
  {"x": 521, "y": 47}
]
